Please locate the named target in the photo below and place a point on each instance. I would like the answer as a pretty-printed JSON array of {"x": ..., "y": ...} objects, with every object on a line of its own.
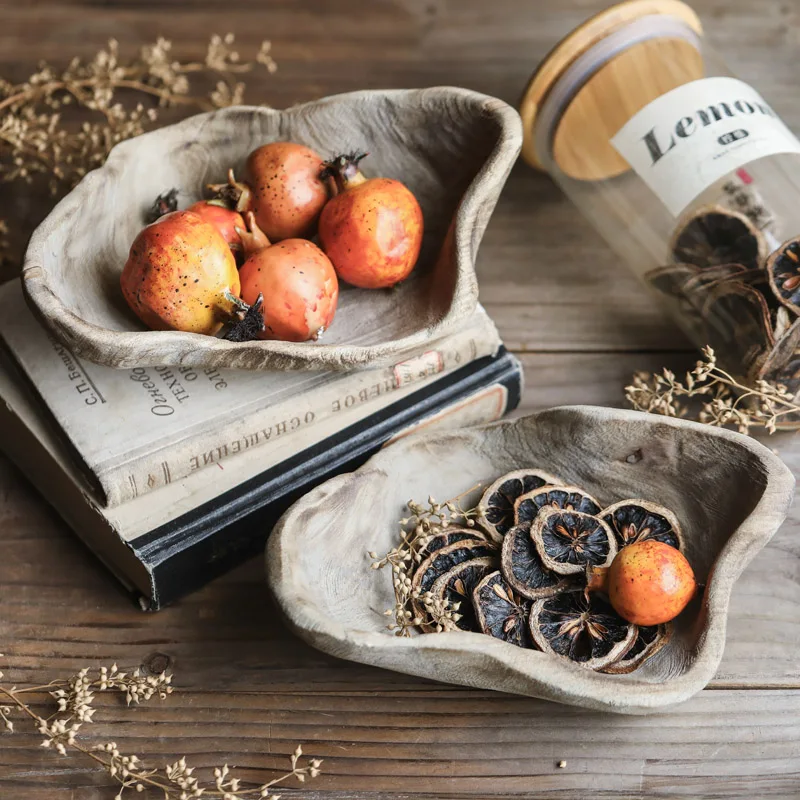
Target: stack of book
[{"x": 173, "y": 475}]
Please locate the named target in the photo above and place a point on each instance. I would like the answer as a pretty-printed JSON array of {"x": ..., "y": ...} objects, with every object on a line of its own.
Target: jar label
[{"x": 690, "y": 137}]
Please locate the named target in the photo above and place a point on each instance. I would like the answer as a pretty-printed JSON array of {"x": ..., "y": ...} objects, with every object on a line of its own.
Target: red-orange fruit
[
  {"x": 372, "y": 230},
  {"x": 224, "y": 219},
  {"x": 650, "y": 583},
  {"x": 181, "y": 275},
  {"x": 297, "y": 282}
]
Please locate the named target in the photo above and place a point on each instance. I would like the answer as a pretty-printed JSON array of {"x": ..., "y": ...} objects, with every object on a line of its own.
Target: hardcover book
[
  {"x": 165, "y": 540},
  {"x": 134, "y": 431}
]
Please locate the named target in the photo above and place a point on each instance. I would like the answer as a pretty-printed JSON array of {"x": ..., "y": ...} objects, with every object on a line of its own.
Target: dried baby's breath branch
[
  {"x": 723, "y": 399},
  {"x": 416, "y": 530},
  {"x": 74, "y": 698},
  {"x": 34, "y": 137}
]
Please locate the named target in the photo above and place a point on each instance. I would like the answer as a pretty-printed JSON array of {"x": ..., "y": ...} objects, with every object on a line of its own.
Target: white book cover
[{"x": 140, "y": 429}]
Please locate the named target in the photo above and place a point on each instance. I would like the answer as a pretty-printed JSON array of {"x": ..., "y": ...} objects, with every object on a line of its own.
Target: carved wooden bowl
[
  {"x": 729, "y": 492},
  {"x": 454, "y": 148}
]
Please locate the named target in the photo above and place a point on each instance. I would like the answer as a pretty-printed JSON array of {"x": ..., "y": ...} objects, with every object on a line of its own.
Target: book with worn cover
[
  {"x": 169, "y": 506},
  {"x": 167, "y": 543},
  {"x": 134, "y": 431}
]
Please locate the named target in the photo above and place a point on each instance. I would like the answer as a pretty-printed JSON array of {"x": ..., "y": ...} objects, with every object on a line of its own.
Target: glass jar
[{"x": 685, "y": 170}]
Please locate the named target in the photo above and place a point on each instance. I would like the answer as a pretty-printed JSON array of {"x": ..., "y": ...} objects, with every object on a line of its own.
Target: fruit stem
[
  {"x": 165, "y": 203},
  {"x": 250, "y": 325},
  {"x": 253, "y": 239},
  {"x": 237, "y": 308},
  {"x": 596, "y": 579},
  {"x": 344, "y": 170},
  {"x": 233, "y": 194}
]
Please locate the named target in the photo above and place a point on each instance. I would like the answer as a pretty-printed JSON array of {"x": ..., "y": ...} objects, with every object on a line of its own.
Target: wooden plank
[{"x": 444, "y": 743}]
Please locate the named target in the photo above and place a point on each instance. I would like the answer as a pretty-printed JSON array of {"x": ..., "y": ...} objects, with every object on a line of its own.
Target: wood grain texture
[{"x": 248, "y": 689}]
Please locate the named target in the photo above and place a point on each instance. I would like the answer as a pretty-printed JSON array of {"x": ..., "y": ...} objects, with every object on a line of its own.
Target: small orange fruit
[{"x": 650, "y": 583}]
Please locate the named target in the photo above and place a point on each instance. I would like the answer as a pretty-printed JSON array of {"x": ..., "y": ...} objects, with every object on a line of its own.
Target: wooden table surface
[{"x": 248, "y": 691}]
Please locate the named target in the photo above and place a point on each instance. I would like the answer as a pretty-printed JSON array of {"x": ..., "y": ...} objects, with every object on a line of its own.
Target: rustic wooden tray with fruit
[
  {"x": 584, "y": 555},
  {"x": 251, "y": 238}
]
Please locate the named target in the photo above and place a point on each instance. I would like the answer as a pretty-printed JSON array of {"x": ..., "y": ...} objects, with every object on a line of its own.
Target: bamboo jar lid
[{"x": 601, "y": 101}]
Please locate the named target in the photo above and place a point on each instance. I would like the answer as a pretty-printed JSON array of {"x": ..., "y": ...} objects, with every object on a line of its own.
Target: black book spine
[{"x": 185, "y": 554}]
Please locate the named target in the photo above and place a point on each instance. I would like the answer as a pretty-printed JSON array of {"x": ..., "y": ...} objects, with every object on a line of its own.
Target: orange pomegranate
[
  {"x": 372, "y": 229},
  {"x": 283, "y": 186},
  {"x": 648, "y": 583},
  {"x": 295, "y": 282},
  {"x": 181, "y": 275},
  {"x": 224, "y": 219}
]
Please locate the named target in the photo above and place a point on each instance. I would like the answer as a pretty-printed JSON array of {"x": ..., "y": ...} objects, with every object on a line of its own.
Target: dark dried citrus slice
[
  {"x": 710, "y": 277},
  {"x": 500, "y": 612},
  {"x": 586, "y": 631},
  {"x": 451, "y": 536},
  {"x": 636, "y": 520},
  {"x": 672, "y": 278},
  {"x": 714, "y": 235},
  {"x": 442, "y": 561},
  {"x": 523, "y": 569},
  {"x": 569, "y": 498},
  {"x": 648, "y": 642},
  {"x": 739, "y": 326},
  {"x": 783, "y": 271},
  {"x": 457, "y": 585},
  {"x": 497, "y": 504},
  {"x": 569, "y": 541}
]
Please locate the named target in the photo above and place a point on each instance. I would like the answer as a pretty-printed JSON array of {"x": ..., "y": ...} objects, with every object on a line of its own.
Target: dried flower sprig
[
  {"x": 724, "y": 401},
  {"x": 74, "y": 697},
  {"x": 34, "y": 137},
  {"x": 416, "y": 530}
]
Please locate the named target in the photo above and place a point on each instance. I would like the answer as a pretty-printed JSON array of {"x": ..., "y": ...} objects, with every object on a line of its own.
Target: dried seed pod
[
  {"x": 569, "y": 541},
  {"x": 500, "y": 612},
  {"x": 523, "y": 568},
  {"x": 714, "y": 235},
  {"x": 457, "y": 586},
  {"x": 648, "y": 642},
  {"x": 783, "y": 271},
  {"x": 585, "y": 630},
  {"x": 497, "y": 503},
  {"x": 442, "y": 561},
  {"x": 569, "y": 498},
  {"x": 636, "y": 520}
]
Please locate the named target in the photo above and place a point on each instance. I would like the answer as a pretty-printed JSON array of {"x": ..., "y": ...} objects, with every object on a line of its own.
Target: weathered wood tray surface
[
  {"x": 454, "y": 149},
  {"x": 729, "y": 493}
]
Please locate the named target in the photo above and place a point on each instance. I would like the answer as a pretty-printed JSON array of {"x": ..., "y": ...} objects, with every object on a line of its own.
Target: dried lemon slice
[
  {"x": 570, "y": 498},
  {"x": 648, "y": 642},
  {"x": 442, "y": 561},
  {"x": 497, "y": 504},
  {"x": 523, "y": 568},
  {"x": 457, "y": 585},
  {"x": 570, "y": 541},
  {"x": 714, "y": 235},
  {"x": 500, "y": 612},
  {"x": 636, "y": 520},
  {"x": 783, "y": 269},
  {"x": 453, "y": 535},
  {"x": 586, "y": 631}
]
